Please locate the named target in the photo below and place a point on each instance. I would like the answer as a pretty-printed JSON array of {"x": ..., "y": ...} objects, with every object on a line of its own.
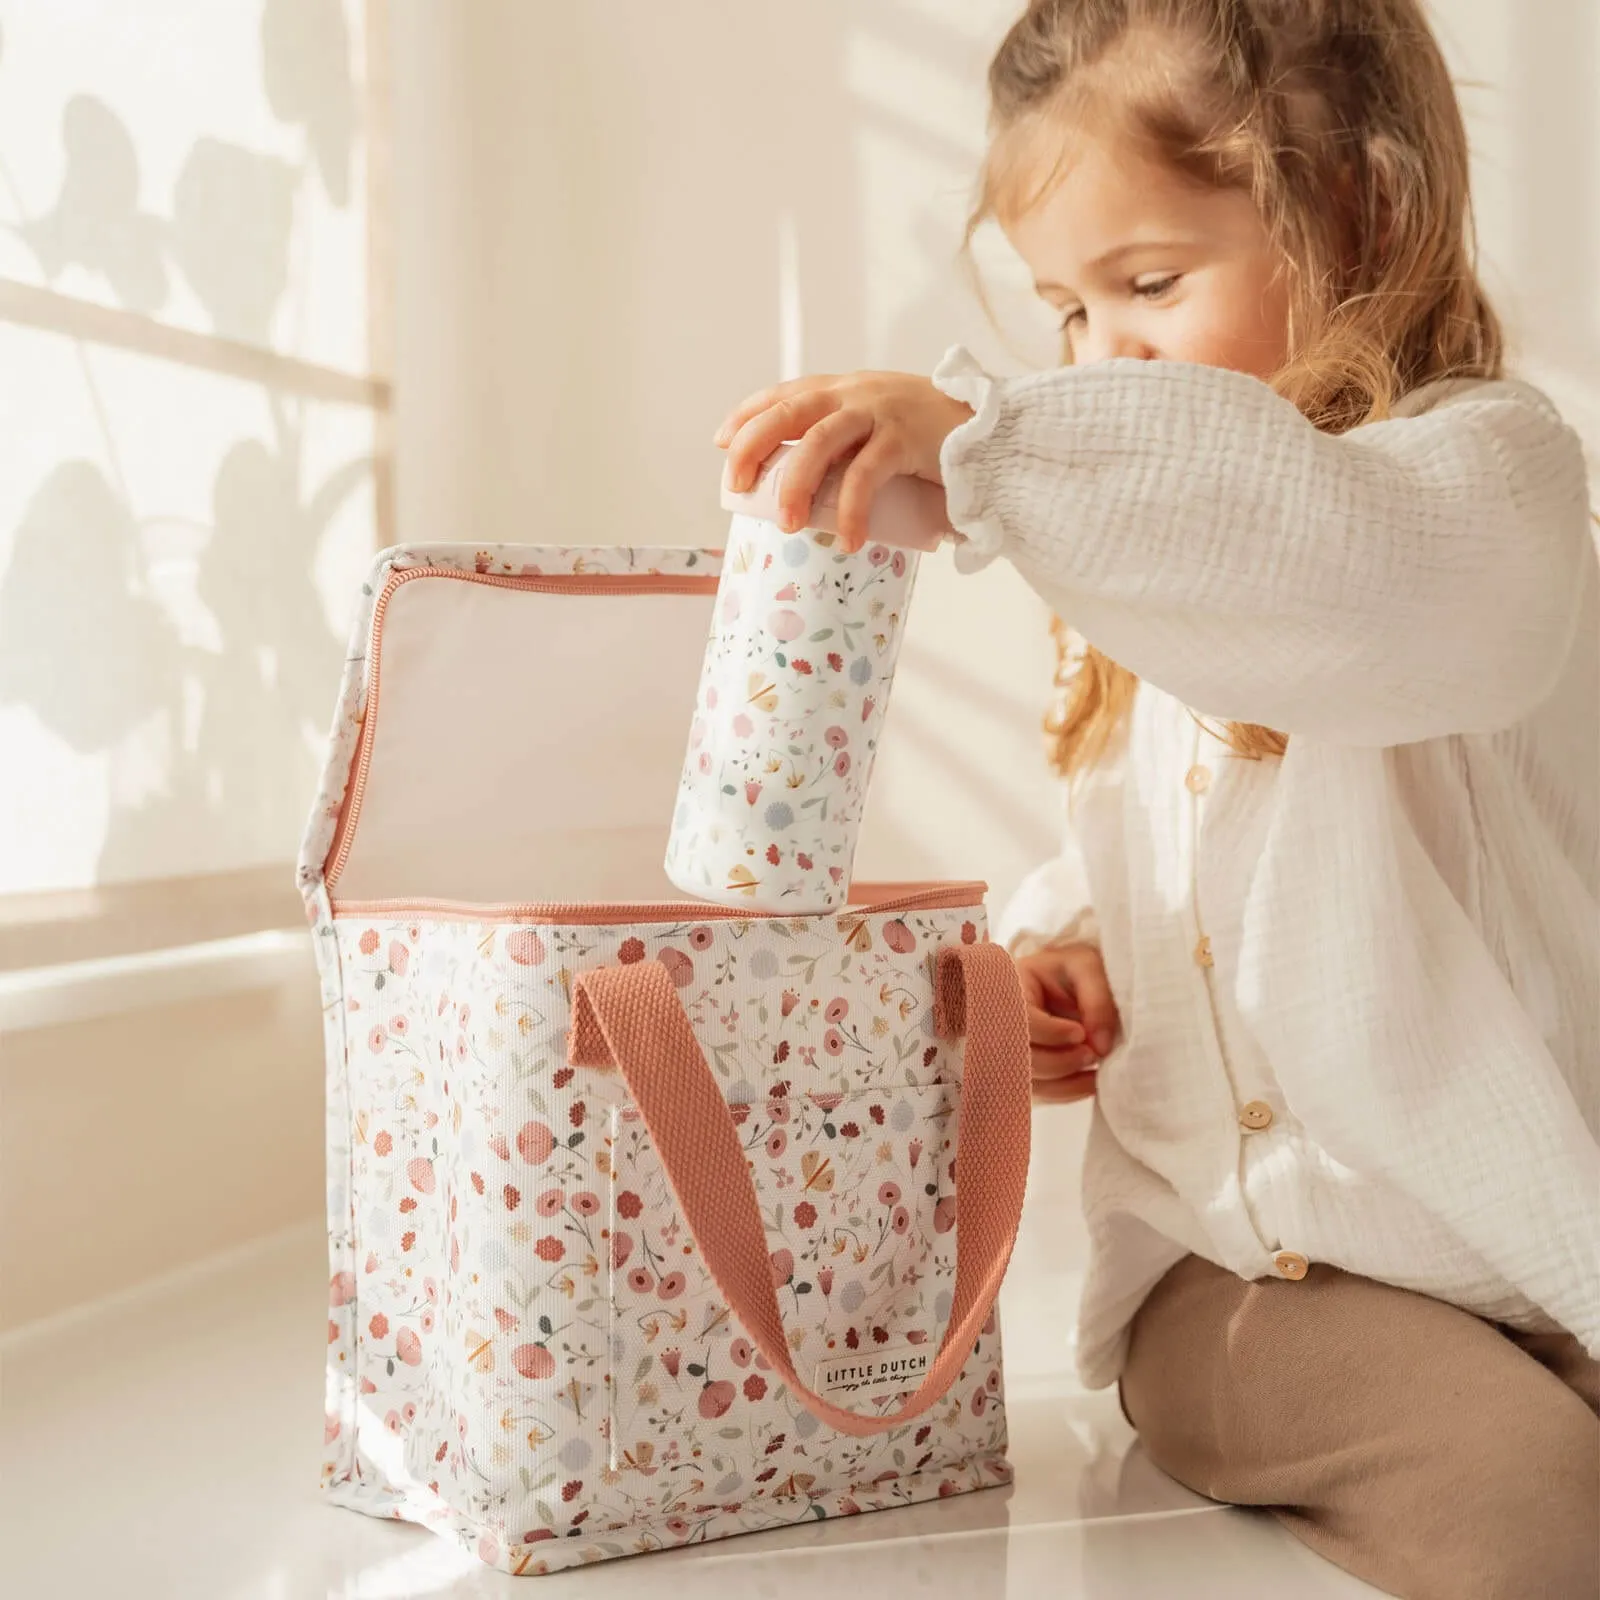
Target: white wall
[{"x": 1529, "y": 80}]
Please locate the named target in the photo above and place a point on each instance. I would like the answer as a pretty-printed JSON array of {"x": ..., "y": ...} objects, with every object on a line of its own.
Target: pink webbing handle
[{"x": 631, "y": 1017}]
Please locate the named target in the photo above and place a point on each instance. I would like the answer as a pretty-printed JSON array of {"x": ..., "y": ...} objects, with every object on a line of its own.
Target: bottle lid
[{"x": 906, "y": 512}]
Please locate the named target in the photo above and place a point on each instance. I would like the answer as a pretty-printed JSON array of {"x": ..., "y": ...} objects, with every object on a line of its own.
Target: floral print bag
[{"x": 643, "y": 1214}]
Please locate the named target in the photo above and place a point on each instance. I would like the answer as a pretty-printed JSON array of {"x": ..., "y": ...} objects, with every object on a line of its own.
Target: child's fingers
[
  {"x": 753, "y": 405},
  {"x": 1085, "y": 971},
  {"x": 757, "y": 438},
  {"x": 1061, "y": 1091},
  {"x": 1062, "y": 1063},
  {"x": 1057, "y": 1000},
  {"x": 1053, "y": 1032},
  {"x": 1051, "y": 1022},
  {"x": 874, "y": 465},
  {"x": 807, "y": 464},
  {"x": 749, "y": 407}
]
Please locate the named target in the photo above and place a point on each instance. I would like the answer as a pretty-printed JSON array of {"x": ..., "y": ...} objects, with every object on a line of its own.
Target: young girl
[{"x": 1325, "y": 950}]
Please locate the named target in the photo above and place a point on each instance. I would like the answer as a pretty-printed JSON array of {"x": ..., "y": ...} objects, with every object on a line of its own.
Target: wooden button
[
  {"x": 1291, "y": 1265},
  {"x": 1255, "y": 1115},
  {"x": 1202, "y": 952},
  {"x": 1197, "y": 780}
]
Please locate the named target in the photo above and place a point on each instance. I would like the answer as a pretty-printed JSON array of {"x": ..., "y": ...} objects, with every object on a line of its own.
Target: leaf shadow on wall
[
  {"x": 74, "y": 595},
  {"x": 306, "y": 70},
  {"x": 200, "y": 741},
  {"x": 96, "y": 221},
  {"x": 204, "y": 739}
]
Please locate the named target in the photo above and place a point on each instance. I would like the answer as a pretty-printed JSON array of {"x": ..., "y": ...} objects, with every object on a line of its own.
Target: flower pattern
[{"x": 517, "y": 1303}]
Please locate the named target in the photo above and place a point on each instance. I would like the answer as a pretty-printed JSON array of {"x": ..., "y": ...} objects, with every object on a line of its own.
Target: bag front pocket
[{"x": 857, "y": 1195}]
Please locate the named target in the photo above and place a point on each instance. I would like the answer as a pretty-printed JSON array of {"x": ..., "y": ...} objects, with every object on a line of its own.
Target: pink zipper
[
  {"x": 590, "y": 913},
  {"x": 556, "y": 583}
]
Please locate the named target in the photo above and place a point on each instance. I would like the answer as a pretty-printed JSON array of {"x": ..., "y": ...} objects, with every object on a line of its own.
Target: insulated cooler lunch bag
[{"x": 650, "y": 1221}]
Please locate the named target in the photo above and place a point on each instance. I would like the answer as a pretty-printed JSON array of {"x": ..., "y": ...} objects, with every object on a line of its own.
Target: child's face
[{"x": 1143, "y": 263}]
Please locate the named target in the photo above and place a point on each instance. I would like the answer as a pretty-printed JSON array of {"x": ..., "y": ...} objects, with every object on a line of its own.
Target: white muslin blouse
[{"x": 1360, "y": 986}]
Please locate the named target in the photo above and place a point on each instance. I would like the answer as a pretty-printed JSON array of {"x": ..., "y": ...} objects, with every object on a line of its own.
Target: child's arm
[
  {"x": 1412, "y": 578},
  {"x": 1051, "y": 904}
]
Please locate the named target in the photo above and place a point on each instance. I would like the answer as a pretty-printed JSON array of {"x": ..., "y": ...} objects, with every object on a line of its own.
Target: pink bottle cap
[{"x": 907, "y": 512}]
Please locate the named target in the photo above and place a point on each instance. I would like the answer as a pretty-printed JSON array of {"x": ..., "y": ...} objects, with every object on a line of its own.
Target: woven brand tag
[{"x": 874, "y": 1372}]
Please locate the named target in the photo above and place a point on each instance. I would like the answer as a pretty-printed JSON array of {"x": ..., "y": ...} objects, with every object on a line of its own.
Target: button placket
[
  {"x": 1237, "y": 1223},
  {"x": 1253, "y": 1115}
]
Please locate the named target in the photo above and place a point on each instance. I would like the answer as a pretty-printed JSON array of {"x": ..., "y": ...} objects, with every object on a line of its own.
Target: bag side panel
[{"x": 340, "y": 1400}]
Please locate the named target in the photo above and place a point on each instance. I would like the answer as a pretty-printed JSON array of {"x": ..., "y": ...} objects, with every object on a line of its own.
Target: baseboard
[{"x": 137, "y": 1142}]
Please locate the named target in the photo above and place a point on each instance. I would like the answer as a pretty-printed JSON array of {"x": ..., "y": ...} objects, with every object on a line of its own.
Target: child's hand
[
  {"x": 889, "y": 423},
  {"x": 1072, "y": 1019}
]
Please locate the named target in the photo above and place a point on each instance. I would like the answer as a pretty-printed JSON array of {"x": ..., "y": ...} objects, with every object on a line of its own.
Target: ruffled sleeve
[
  {"x": 1413, "y": 578},
  {"x": 961, "y": 462}
]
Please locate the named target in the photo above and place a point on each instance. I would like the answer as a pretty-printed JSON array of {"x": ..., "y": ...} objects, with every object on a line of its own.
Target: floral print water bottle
[{"x": 792, "y": 696}]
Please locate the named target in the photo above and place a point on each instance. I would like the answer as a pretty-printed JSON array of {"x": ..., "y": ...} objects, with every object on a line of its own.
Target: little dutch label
[{"x": 873, "y": 1372}]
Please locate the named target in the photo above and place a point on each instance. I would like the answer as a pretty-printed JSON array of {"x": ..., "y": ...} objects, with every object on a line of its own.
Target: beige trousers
[{"x": 1434, "y": 1454}]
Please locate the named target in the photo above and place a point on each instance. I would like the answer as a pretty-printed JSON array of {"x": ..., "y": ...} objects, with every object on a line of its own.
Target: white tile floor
[{"x": 165, "y": 1446}]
